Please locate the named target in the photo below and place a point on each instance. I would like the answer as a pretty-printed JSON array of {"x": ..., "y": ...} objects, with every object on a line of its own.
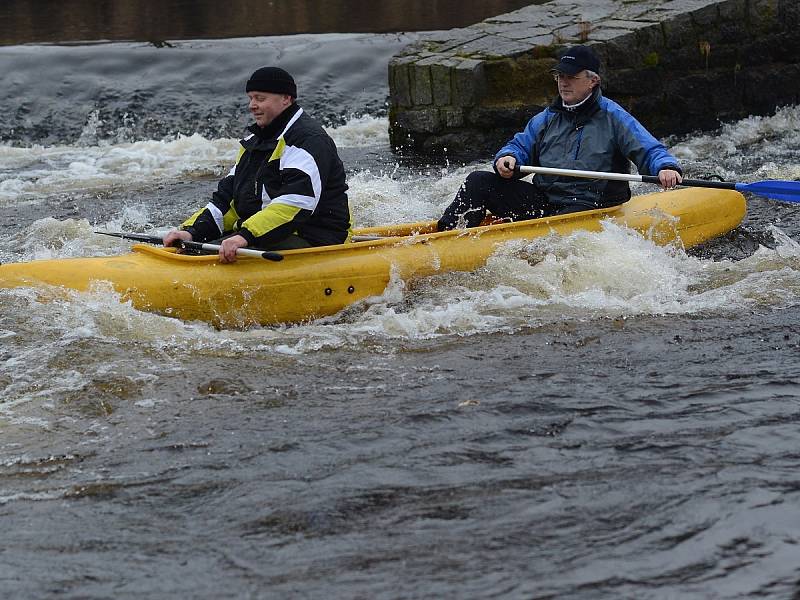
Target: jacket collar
[
  {"x": 276, "y": 128},
  {"x": 585, "y": 110}
]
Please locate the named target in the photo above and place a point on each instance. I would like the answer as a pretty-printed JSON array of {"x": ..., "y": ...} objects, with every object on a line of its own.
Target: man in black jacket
[{"x": 287, "y": 189}]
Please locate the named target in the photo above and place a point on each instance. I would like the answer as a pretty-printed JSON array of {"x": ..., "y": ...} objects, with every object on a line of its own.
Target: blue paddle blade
[{"x": 780, "y": 190}]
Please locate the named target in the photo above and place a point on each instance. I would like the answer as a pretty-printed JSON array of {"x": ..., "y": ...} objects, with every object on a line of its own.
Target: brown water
[{"x": 24, "y": 21}]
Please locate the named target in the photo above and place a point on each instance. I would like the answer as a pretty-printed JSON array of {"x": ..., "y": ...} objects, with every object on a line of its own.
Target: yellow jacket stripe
[
  {"x": 272, "y": 217},
  {"x": 224, "y": 222}
]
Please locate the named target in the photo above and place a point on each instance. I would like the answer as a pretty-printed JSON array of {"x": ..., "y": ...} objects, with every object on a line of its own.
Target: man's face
[
  {"x": 574, "y": 88},
  {"x": 265, "y": 106}
]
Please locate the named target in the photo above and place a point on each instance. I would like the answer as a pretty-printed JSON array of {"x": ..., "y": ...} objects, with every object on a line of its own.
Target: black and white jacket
[{"x": 288, "y": 179}]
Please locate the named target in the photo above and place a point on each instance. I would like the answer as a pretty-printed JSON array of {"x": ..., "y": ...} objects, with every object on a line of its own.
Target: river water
[{"x": 585, "y": 417}]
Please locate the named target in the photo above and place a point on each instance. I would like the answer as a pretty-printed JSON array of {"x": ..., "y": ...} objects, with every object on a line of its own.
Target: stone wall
[{"x": 677, "y": 65}]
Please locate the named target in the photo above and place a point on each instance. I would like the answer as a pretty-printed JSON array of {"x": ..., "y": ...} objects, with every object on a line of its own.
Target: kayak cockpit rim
[{"x": 417, "y": 232}]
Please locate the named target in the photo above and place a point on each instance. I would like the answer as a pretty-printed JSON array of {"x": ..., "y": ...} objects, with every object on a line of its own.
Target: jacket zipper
[{"x": 579, "y": 128}]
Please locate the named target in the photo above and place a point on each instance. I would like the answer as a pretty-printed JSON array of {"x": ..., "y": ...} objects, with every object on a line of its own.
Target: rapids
[{"x": 591, "y": 416}]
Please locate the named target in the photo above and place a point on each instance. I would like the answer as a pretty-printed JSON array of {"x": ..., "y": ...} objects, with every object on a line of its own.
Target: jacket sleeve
[
  {"x": 218, "y": 216},
  {"x": 523, "y": 145},
  {"x": 304, "y": 170},
  {"x": 640, "y": 146}
]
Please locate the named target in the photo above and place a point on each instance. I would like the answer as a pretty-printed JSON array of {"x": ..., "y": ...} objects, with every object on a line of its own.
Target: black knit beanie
[{"x": 272, "y": 79}]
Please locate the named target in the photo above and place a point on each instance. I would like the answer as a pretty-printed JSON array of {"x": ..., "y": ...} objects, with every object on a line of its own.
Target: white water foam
[
  {"x": 614, "y": 273},
  {"x": 611, "y": 274},
  {"x": 734, "y": 144},
  {"x": 31, "y": 496},
  {"x": 53, "y": 238},
  {"x": 361, "y": 131},
  {"x": 32, "y": 173},
  {"x": 26, "y": 369},
  {"x": 585, "y": 275},
  {"x": 393, "y": 197}
]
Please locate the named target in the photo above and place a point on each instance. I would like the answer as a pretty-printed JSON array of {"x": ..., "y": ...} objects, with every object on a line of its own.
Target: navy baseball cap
[{"x": 576, "y": 59}]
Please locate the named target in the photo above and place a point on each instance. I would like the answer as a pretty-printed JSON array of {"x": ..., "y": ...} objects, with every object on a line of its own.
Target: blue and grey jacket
[
  {"x": 597, "y": 136},
  {"x": 288, "y": 179}
]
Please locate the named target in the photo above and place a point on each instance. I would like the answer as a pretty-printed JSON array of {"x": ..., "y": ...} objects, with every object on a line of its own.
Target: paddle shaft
[
  {"x": 787, "y": 191},
  {"x": 152, "y": 239},
  {"x": 725, "y": 185}
]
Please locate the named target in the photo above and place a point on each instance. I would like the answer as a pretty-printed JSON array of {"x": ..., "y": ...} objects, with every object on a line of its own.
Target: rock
[{"x": 677, "y": 65}]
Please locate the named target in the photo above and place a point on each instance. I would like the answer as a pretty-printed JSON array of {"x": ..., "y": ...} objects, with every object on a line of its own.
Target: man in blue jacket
[{"x": 581, "y": 130}]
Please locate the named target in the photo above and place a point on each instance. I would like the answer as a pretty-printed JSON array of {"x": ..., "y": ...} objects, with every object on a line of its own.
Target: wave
[
  {"x": 37, "y": 172},
  {"x": 611, "y": 274}
]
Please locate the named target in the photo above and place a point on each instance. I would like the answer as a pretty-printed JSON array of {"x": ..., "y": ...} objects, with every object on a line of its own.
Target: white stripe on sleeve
[
  {"x": 217, "y": 214},
  {"x": 297, "y": 158},
  {"x": 297, "y": 200}
]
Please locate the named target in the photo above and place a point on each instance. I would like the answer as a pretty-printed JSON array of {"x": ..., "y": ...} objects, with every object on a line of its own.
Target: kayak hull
[{"x": 313, "y": 282}]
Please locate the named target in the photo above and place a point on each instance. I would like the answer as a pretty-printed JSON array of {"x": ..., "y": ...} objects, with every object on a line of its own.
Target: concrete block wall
[{"x": 677, "y": 65}]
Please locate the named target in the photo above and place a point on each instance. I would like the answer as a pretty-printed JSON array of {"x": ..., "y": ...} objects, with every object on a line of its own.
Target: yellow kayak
[{"x": 315, "y": 282}]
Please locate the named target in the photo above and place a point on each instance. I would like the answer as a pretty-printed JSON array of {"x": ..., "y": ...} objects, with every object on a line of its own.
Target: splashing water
[
  {"x": 756, "y": 147},
  {"x": 31, "y": 174},
  {"x": 614, "y": 273}
]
